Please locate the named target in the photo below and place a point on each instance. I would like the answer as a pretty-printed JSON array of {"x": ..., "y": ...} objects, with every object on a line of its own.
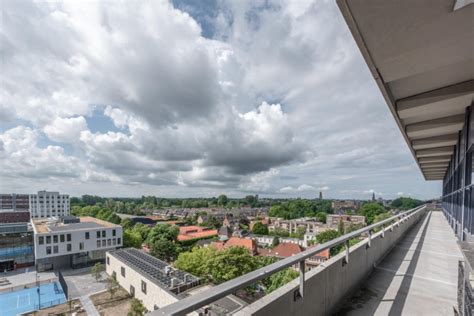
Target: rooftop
[
  {"x": 155, "y": 270},
  {"x": 56, "y": 225}
]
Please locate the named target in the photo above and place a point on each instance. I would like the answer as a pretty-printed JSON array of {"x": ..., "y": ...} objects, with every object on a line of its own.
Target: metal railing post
[
  {"x": 302, "y": 268},
  {"x": 383, "y": 231},
  {"x": 347, "y": 251},
  {"x": 369, "y": 243}
]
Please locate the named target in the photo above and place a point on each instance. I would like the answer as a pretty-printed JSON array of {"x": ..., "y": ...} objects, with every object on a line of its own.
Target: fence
[{"x": 63, "y": 283}]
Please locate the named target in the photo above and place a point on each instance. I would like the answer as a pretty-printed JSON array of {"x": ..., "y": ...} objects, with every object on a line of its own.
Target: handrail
[{"x": 193, "y": 302}]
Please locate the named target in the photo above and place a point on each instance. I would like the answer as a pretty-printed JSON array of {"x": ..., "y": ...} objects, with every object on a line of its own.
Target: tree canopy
[
  {"x": 300, "y": 208},
  {"x": 260, "y": 229},
  {"x": 370, "y": 210},
  {"x": 405, "y": 203}
]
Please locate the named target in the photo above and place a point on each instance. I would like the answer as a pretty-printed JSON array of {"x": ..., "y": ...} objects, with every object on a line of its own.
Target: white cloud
[{"x": 67, "y": 130}]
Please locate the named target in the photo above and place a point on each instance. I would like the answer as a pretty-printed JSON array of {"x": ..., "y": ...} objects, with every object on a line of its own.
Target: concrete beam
[
  {"x": 435, "y": 159},
  {"x": 434, "y": 100},
  {"x": 440, "y": 151},
  {"x": 434, "y": 164},
  {"x": 442, "y": 126},
  {"x": 436, "y": 141}
]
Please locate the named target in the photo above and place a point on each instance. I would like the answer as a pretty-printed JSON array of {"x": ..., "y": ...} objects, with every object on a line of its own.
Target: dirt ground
[
  {"x": 116, "y": 306},
  {"x": 62, "y": 309}
]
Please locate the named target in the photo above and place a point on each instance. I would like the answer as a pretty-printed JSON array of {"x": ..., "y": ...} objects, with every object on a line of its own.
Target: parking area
[{"x": 80, "y": 282}]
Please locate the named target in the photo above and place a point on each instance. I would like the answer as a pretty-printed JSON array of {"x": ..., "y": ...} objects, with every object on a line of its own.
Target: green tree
[
  {"x": 280, "y": 232},
  {"x": 97, "y": 270},
  {"x": 370, "y": 210},
  {"x": 327, "y": 236},
  {"x": 136, "y": 308},
  {"x": 279, "y": 279},
  {"x": 165, "y": 250},
  {"x": 216, "y": 266},
  {"x": 162, "y": 231},
  {"x": 340, "y": 227},
  {"x": 321, "y": 216},
  {"x": 132, "y": 238},
  {"x": 260, "y": 229},
  {"x": 127, "y": 223},
  {"x": 112, "y": 286},
  {"x": 222, "y": 200},
  {"x": 405, "y": 203}
]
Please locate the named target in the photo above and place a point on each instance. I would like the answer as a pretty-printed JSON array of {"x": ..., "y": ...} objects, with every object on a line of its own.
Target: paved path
[
  {"x": 88, "y": 306},
  {"x": 418, "y": 277}
]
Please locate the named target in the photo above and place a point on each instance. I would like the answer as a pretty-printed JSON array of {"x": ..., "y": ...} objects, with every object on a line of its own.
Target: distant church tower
[
  {"x": 320, "y": 195},
  {"x": 373, "y": 196}
]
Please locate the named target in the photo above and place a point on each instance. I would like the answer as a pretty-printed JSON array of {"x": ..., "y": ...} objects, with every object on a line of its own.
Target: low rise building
[
  {"x": 46, "y": 204},
  {"x": 345, "y": 205},
  {"x": 16, "y": 246},
  {"x": 147, "y": 278},
  {"x": 291, "y": 225},
  {"x": 333, "y": 220},
  {"x": 249, "y": 244},
  {"x": 266, "y": 241},
  {"x": 73, "y": 242},
  {"x": 14, "y": 202}
]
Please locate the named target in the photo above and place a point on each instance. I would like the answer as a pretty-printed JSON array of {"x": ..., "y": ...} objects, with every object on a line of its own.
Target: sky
[{"x": 194, "y": 99}]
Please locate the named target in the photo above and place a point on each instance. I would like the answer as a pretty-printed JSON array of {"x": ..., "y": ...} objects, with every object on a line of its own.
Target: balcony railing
[{"x": 194, "y": 302}]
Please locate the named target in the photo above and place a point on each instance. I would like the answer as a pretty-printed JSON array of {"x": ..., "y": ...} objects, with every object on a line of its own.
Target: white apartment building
[
  {"x": 73, "y": 242},
  {"x": 46, "y": 204}
]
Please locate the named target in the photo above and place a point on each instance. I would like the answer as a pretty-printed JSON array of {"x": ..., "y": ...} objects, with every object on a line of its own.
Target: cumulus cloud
[
  {"x": 66, "y": 130},
  {"x": 279, "y": 94}
]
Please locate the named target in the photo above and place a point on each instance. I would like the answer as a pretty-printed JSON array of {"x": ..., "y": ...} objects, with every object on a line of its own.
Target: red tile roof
[
  {"x": 283, "y": 250},
  {"x": 194, "y": 232},
  {"x": 237, "y": 242}
]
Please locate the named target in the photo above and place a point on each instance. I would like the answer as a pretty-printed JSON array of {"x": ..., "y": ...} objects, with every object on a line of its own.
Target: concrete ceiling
[{"x": 421, "y": 54}]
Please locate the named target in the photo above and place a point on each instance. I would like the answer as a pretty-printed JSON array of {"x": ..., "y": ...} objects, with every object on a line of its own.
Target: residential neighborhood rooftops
[{"x": 283, "y": 250}]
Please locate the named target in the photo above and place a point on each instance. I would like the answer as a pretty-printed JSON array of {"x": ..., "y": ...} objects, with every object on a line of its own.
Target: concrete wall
[
  {"x": 155, "y": 295},
  {"x": 327, "y": 285}
]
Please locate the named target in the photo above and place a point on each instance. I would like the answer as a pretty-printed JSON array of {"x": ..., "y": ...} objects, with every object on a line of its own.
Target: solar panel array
[{"x": 152, "y": 267}]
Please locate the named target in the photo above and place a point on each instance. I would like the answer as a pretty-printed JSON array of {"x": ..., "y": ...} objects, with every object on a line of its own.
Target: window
[
  {"x": 98, "y": 243},
  {"x": 114, "y": 275},
  {"x": 98, "y": 234},
  {"x": 114, "y": 241},
  {"x": 69, "y": 247},
  {"x": 48, "y": 250},
  {"x": 109, "y": 242},
  {"x": 55, "y": 239},
  {"x": 61, "y": 238},
  {"x": 48, "y": 239},
  {"x": 68, "y": 237},
  {"x": 119, "y": 241},
  {"x": 41, "y": 240},
  {"x": 122, "y": 271},
  {"x": 87, "y": 235},
  {"x": 108, "y": 260},
  {"x": 132, "y": 290},
  {"x": 104, "y": 243},
  {"x": 81, "y": 246},
  {"x": 114, "y": 232},
  {"x": 143, "y": 286},
  {"x": 55, "y": 249},
  {"x": 103, "y": 234}
]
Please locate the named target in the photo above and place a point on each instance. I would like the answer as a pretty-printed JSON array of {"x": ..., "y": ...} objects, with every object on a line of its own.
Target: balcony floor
[{"x": 418, "y": 276}]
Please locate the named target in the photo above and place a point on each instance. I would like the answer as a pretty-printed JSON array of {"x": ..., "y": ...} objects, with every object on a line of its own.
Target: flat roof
[
  {"x": 421, "y": 55},
  {"x": 55, "y": 225},
  {"x": 154, "y": 269}
]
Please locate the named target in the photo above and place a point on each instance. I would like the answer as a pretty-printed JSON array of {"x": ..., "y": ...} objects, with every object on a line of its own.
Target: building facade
[
  {"x": 333, "y": 220},
  {"x": 291, "y": 226},
  {"x": 14, "y": 202},
  {"x": 16, "y": 246},
  {"x": 73, "y": 242},
  {"x": 46, "y": 204},
  {"x": 147, "y": 278}
]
